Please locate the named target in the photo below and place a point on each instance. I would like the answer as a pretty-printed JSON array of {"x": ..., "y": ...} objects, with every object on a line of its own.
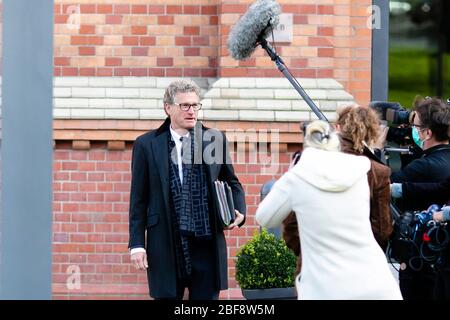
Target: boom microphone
[{"x": 256, "y": 24}]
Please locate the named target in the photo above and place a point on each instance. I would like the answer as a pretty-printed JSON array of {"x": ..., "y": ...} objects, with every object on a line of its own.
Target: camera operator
[{"x": 430, "y": 126}]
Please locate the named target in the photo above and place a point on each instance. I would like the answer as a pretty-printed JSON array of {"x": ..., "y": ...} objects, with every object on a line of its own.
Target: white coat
[{"x": 341, "y": 259}]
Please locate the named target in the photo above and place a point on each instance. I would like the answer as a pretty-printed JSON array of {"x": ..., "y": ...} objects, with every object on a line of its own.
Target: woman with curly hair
[{"x": 359, "y": 129}]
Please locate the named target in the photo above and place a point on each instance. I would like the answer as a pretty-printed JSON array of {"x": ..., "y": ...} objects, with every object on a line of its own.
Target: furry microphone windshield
[{"x": 256, "y": 24}]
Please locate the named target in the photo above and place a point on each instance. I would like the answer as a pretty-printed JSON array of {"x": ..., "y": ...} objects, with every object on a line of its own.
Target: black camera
[{"x": 392, "y": 112}]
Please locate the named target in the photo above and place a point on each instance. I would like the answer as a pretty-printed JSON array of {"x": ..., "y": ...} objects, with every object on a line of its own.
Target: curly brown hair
[{"x": 359, "y": 125}]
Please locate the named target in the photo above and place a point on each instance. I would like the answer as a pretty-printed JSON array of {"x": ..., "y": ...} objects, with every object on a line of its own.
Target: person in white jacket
[{"x": 329, "y": 192}]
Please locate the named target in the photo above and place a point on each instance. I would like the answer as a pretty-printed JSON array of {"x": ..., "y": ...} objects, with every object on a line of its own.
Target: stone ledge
[{"x": 240, "y": 99}]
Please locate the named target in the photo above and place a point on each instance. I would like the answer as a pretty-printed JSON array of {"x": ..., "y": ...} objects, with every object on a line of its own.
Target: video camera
[
  {"x": 398, "y": 118},
  {"x": 417, "y": 238}
]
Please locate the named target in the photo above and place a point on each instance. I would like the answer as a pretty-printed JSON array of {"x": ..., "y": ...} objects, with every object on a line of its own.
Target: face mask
[{"x": 416, "y": 138}]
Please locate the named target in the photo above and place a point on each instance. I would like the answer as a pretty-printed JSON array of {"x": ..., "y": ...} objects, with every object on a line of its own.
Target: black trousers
[
  {"x": 442, "y": 288},
  {"x": 418, "y": 285},
  {"x": 202, "y": 282}
]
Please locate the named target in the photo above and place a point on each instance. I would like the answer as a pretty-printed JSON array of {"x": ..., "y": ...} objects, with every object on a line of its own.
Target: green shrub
[{"x": 265, "y": 262}]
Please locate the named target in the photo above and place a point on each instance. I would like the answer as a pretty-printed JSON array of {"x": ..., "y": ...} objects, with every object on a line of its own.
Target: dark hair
[{"x": 434, "y": 115}]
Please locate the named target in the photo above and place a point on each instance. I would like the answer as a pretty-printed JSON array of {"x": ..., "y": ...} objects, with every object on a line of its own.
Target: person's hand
[
  {"x": 396, "y": 190},
  {"x": 239, "y": 218},
  {"x": 139, "y": 260},
  {"x": 438, "y": 216}
]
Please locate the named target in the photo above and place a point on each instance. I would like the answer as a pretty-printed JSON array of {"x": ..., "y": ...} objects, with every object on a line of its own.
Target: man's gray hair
[{"x": 183, "y": 85}]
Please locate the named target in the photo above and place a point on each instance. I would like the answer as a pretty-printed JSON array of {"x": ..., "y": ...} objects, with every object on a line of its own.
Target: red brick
[
  {"x": 104, "y": 8},
  {"x": 189, "y": 31},
  {"x": 120, "y": 72},
  {"x": 70, "y": 166},
  {"x": 174, "y": 72},
  {"x": 57, "y": 8},
  {"x": 164, "y": 62},
  {"x": 147, "y": 41},
  {"x": 325, "y": 31},
  {"x": 200, "y": 41},
  {"x": 95, "y": 197},
  {"x": 191, "y": 9},
  {"x": 86, "y": 51},
  {"x": 112, "y": 62},
  {"x": 155, "y": 9},
  {"x": 155, "y": 72},
  {"x": 183, "y": 41},
  {"x": 130, "y": 41},
  {"x": 104, "y": 187},
  {"x": 78, "y": 197},
  {"x": 174, "y": 9},
  {"x": 96, "y": 176},
  {"x": 121, "y": 9},
  {"x": 87, "y": 8},
  {"x": 78, "y": 176},
  {"x": 139, "y": 9},
  {"x": 321, "y": 9},
  {"x": 121, "y": 187},
  {"x": 299, "y": 63},
  {"x": 189, "y": 51},
  {"x": 209, "y": 10},
  {"x": 86, "y": 187},
  {"x": 139, "y": 72},
  {"x": 165, "y": 20},
  {"x": 69, "y": 72},
  {"x": 61, "y": 18},
  {"x": 139, "y": 51},
  {"x": 300, "y": 19},
  {"x": 104, "y": 72},
  {"x": 59, "y": 196},
  {"x": 70, "y": 207},
  {"x": 87, "y": 29},
  {"x": 325, "y": 73},
  {"x": 113, "y": 19},
  {"x": 87, "y": 72},
  {"x": 86, "y": 166},
  {"x": 214, "y": 20},
  {"x": 191, "y": 72},
  {"x": 61, "y": 61},
  {"x": 138, "y": 30},
  {"x": 233, "y": 8},
  {"x": 319, "y": 42},
  {"x": 112, "y": 197},
  {"x": 325, "y": 52}
]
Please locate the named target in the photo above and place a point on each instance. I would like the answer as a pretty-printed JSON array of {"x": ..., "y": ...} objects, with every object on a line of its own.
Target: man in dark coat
[
  {"x": 175, "y": 231},
  {"x": 430, "y": 131}
]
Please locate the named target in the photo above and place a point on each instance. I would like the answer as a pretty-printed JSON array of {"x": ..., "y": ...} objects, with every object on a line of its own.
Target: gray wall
[{"x": 27, "y": 146}]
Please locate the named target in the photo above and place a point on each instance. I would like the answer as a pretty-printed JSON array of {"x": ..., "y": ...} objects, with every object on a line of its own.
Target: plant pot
[{"x": 270, "y": 294}]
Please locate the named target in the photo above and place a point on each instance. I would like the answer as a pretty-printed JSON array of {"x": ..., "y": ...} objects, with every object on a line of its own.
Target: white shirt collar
[{"x": 176, "y": 137}]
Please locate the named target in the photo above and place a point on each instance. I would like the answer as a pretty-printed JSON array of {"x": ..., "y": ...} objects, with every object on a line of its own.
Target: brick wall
[
  {"x": 96, "y": 68},
  {"x": 136, "y": 38},
  {"x": 90, "y": 221},
  {"x": 169, "y": 38}
]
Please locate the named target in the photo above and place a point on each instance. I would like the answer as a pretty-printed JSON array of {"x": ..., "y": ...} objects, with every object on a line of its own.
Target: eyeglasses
[
  {"x": 418, "y": 126},
  {"x": 187, "y": 106}
]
